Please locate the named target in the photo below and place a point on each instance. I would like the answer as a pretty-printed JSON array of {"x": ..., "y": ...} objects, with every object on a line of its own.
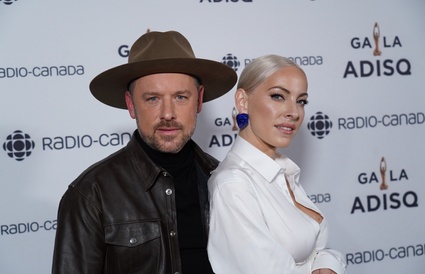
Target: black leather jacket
[{"x": 119, "y": 216}]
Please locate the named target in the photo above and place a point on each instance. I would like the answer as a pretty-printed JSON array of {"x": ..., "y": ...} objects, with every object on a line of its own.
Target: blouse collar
[{"x": 263, "y": 164}]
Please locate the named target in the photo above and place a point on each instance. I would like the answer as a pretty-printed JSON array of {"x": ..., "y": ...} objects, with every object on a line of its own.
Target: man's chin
[
  {"x": 170, "y": 148},
  {"x": 170, "y": 145}
]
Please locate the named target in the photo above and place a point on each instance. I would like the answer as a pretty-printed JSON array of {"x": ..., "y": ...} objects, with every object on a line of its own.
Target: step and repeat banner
[{"x": 361, "y": 148}]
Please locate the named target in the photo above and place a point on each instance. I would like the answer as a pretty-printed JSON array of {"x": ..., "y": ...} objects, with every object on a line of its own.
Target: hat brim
[{"x": 110, "y": 86}]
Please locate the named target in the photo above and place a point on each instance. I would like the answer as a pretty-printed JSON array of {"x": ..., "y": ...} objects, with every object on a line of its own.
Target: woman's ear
[{"x": 241, "y": 100}]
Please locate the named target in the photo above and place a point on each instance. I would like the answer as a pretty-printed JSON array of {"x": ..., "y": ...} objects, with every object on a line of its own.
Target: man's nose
[{"x": 168, "y": 110}]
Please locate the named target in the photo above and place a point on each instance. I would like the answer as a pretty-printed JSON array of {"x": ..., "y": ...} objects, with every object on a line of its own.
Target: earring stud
[{"x": 242, "y": 120}]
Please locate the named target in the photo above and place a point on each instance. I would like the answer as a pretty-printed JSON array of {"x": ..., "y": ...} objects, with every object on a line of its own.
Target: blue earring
[{"x": 242, "y": 120}]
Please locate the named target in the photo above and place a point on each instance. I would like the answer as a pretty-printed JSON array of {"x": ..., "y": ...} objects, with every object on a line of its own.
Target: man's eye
[
  {"x": 181, "y": 97},
  {"x": 152, "y": 99}
]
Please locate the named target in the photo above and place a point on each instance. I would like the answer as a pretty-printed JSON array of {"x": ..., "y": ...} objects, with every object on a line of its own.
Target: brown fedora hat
[{"x": 161, "y": 52}]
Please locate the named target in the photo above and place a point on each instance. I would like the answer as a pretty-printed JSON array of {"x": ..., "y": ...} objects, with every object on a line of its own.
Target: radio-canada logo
[
  {"x": 319, "y": 125},
  {"x": 232, "y": 61},
  {"x": 18, "y": 145}
]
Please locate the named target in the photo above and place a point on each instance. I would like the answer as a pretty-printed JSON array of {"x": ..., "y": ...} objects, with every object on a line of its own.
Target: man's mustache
[{"x": 169, "y": 124}]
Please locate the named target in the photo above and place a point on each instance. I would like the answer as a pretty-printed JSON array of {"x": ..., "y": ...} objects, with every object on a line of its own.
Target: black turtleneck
[{"x": 191, "y": 234}]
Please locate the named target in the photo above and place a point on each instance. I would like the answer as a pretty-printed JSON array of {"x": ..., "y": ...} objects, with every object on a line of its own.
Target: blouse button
[
  {"x": 133, "y": 240},
  {"x": 172, "y": 233},
  {"x": 168, "y": 191}
]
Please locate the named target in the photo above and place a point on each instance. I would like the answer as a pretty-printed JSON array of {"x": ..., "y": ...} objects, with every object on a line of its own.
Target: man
[{"x": 144, "y": 209}]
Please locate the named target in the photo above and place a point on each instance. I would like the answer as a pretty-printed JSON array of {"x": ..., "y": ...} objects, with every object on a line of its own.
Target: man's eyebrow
[
  {"x": 181, "y": 91},
  {"x": 155, "y": 93},
  {"x": 150, "y": 93}
]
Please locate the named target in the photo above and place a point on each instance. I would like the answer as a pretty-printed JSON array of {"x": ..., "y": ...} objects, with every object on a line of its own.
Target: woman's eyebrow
[{"x": 287, "y": 90}]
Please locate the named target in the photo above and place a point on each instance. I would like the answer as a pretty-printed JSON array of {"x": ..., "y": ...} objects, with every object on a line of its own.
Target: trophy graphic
[
  {"x": 234, "y": 113},
  {"x": 383, "y": 169},
  {"x": 376, "y": 34}
]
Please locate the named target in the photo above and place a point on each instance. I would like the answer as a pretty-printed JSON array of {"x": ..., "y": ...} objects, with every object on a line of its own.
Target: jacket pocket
[
  {"x": 132, "y": 234},
  {"x": 133, "y": 248}
]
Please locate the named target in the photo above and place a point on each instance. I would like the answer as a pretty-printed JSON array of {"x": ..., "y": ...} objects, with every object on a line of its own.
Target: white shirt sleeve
[
  {"x": 332, "y": 259},
  {"x": 325, "y": 257}
]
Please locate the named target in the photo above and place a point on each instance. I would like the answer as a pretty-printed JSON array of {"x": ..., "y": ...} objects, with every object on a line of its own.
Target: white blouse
[{"x": 255, "y": 226}]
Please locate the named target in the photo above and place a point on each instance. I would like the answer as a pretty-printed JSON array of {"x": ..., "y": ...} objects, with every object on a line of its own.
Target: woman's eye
[
  {"x": 303, "y": 102},
  {"x": 277, "y": 96}
]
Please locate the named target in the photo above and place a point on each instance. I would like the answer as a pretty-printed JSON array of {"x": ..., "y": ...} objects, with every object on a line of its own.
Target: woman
[{"x": 262, "y": 221}]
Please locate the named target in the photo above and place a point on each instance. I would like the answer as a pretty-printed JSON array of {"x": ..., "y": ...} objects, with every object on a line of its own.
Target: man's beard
[{"x": 162, "y": 143}]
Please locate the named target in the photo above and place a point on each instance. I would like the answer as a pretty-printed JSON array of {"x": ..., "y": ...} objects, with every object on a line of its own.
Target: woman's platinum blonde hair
[{"x": 261, "y": 68}]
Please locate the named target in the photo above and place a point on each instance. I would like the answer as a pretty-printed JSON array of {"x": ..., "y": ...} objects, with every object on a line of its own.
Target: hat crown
[{"x": 160, "y": 45}]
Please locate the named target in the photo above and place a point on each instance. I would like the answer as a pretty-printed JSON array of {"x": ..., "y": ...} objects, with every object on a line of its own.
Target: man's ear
[
  {"x": 200, "y": 97},
  {"x": 130, "y": 105},
  {"x": 241, "y": 100}
]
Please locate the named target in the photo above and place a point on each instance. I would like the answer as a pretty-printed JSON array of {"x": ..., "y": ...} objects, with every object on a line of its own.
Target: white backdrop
[{"x": 363, "y": 107}]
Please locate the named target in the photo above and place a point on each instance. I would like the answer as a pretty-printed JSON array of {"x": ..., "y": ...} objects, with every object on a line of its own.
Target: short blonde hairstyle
[{"x": 261, "y": 68}]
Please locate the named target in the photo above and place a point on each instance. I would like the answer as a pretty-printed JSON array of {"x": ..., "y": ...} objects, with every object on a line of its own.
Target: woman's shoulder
[{"x": 232, "y": 169}]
